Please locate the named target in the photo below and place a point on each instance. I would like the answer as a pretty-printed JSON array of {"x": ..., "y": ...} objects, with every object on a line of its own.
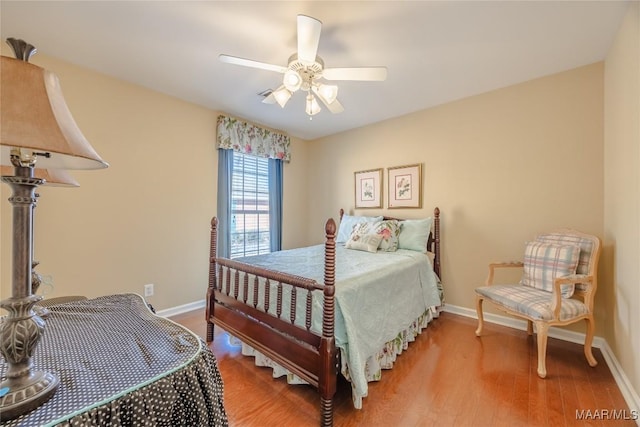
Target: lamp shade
[
  {"x": 292, "y": 80},
  {"x": 52, "y": 177},
  {"x": 35, "y": 117},
  {"x": 282, "y": 95},
  {"x": 328, "y": 93},
  {"x": 312, "y": 107}
]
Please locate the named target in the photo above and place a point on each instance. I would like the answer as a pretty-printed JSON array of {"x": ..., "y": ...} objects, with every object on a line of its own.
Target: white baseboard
[
  {"x": 630, "y": 395},
  {"x": 185, "y": 308}
]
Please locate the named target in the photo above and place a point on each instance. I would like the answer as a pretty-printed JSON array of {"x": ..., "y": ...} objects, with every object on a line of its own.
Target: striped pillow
[{"x": 544, "y": 262}]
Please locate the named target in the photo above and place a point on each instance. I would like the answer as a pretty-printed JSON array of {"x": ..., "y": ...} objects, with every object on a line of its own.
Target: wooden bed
[{"x": 310, "y": 355}]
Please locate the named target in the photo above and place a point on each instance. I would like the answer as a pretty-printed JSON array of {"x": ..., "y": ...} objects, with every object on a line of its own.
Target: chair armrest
[
  {"x": 573, "y": 278},
  {"x": 556, "y": 301},
  {"x": 494, "y": 265}
]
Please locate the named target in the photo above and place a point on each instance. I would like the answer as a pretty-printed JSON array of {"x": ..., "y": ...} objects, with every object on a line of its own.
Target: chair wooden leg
[
  {"x": 529, "y": 327},
  {"x": 480, "y": 316},
  {"x": 542, "y": 329},
  {"x": 588, "y": 341}
]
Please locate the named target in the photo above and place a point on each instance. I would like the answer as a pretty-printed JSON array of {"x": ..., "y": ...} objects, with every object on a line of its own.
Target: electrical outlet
[{"x": 148, "y": 290}]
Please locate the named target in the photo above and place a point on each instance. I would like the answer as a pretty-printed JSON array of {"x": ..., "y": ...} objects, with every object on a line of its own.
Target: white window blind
[{"x": 249, "y": 206}]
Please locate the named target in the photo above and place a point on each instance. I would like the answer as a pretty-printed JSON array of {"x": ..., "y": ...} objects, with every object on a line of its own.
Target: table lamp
[{"x": 35, "y": 126}]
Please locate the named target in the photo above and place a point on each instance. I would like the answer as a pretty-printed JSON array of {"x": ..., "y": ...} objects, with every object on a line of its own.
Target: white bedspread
[{"x": 377, "y": 296}]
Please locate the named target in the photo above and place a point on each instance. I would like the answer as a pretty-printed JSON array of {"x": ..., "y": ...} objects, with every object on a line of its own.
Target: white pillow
[
  {"x": 348, "y": 222},
  {"x": 363, "y": 240},
  {"x": 414, "y": 234}
]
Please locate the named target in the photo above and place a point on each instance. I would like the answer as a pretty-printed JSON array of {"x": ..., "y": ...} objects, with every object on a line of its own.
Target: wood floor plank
[{"x": 447, "y": 377}]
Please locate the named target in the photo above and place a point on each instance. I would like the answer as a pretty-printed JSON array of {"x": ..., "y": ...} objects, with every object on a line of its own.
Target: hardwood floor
[{"x": 447, "y": 377}]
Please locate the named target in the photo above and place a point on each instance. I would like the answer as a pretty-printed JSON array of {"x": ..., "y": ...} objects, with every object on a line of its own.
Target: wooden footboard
[{"x": 233, "y": 296}]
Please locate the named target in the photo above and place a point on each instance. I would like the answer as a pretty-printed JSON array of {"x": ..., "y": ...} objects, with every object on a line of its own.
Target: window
[{"x": 249, "y": 206}]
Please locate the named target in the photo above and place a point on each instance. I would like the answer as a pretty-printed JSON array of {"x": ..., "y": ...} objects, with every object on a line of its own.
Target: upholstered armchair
[{"x": 559, "y": 281}]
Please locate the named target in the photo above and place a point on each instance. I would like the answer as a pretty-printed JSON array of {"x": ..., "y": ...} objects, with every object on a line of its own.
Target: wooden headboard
[{"x": 433, "y": 243}]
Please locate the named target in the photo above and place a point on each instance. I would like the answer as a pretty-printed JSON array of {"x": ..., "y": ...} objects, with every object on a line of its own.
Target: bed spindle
[
  {"x": 292, "y": 309},
  {"x": 279, "y": 301},
  {"x": 307, "y": 319},
  {"x": 236, "y": 285},
  {"x": 267, "y": 289},
  {"x": 256, "y": 283},
  {"x": 245, "y": 288}
]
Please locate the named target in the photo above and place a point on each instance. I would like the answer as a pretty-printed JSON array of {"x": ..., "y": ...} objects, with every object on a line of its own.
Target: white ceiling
[{"x": 435, "y": 52}]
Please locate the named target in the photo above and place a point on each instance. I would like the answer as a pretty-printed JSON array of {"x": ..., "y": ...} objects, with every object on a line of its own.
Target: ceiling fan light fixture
[
  {"x": 305, "y": 69},
  {"x": 282, "y": 96},
  {"x": 312, "y": 107},
  {"x": 292, "y": 80},
  {"x": 328, "y": 93}
]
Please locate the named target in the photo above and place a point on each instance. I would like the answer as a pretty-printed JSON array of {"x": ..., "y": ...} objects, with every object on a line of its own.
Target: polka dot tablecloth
[{"x": 121, "y": 365}]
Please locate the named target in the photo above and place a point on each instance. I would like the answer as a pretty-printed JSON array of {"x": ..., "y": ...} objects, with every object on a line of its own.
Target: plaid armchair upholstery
[{"x": 550, "y": 303}]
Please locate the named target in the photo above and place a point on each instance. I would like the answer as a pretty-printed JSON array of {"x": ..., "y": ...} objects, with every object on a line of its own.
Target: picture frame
[
  {"x": 404, "y": 186},
  {"x": 368, "y": 189}
]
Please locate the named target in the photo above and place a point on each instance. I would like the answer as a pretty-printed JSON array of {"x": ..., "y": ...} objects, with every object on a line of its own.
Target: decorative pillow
[
  {"x": 567, "y": 237},
  {"x": 389, "y": 230},
  {"x": 414, "y": 234},
  {"x": 348, "y": 222},
  {"x": 544, "y": 262},
  {"x": 363, "y": 238}
]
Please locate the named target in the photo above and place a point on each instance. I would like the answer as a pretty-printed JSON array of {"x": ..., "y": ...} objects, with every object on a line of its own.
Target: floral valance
[{"x": 237, "y": 135}]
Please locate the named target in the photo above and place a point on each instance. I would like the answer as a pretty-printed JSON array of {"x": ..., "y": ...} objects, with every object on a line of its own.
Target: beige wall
[
  {"x": 622, "y": 194},
  {"x": 146, "y": 218},
  {"x": 502, "y": 166}
]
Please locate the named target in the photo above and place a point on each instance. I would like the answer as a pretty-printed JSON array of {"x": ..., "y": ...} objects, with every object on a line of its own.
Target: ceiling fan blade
[
  {"x": 335, "y": 107},
  {"x": 269, "y": 99},
  {"x": 308, "y": 38},
  {"x": 356, "y": 73},
  {"x": 251, "y": 63}
]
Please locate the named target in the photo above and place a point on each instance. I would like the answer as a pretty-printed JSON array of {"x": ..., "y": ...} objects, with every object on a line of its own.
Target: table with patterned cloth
[{"x": 121, "y": 365}]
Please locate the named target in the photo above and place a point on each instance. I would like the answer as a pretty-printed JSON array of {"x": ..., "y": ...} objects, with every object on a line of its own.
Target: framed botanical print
[
  {"x": 405, "y": 186},
  {"x": 368, "y": 188}
]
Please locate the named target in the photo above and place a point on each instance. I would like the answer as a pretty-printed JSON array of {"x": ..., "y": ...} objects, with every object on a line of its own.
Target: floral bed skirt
[{"x": 383, "y": 359}]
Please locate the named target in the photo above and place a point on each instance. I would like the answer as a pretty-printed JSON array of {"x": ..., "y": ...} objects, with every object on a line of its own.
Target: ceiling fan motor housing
[{"x": 307, "y": 72}]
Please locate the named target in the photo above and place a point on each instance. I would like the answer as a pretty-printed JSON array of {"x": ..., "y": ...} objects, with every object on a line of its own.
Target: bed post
[
  {"x": 328, "y": 354},
  {"x": 212, "y": 278},
  {"x": 436, "y": 240}
]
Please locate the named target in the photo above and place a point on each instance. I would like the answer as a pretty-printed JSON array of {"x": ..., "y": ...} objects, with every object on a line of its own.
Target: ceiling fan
[{"x": 305, "y": 71}]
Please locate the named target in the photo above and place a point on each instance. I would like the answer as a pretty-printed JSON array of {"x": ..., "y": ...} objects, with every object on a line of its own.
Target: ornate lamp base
[
  {"x": 26, "y": 394},
  {"x": 24, "y": 389},
  {"x": 20, "y": 331}
]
